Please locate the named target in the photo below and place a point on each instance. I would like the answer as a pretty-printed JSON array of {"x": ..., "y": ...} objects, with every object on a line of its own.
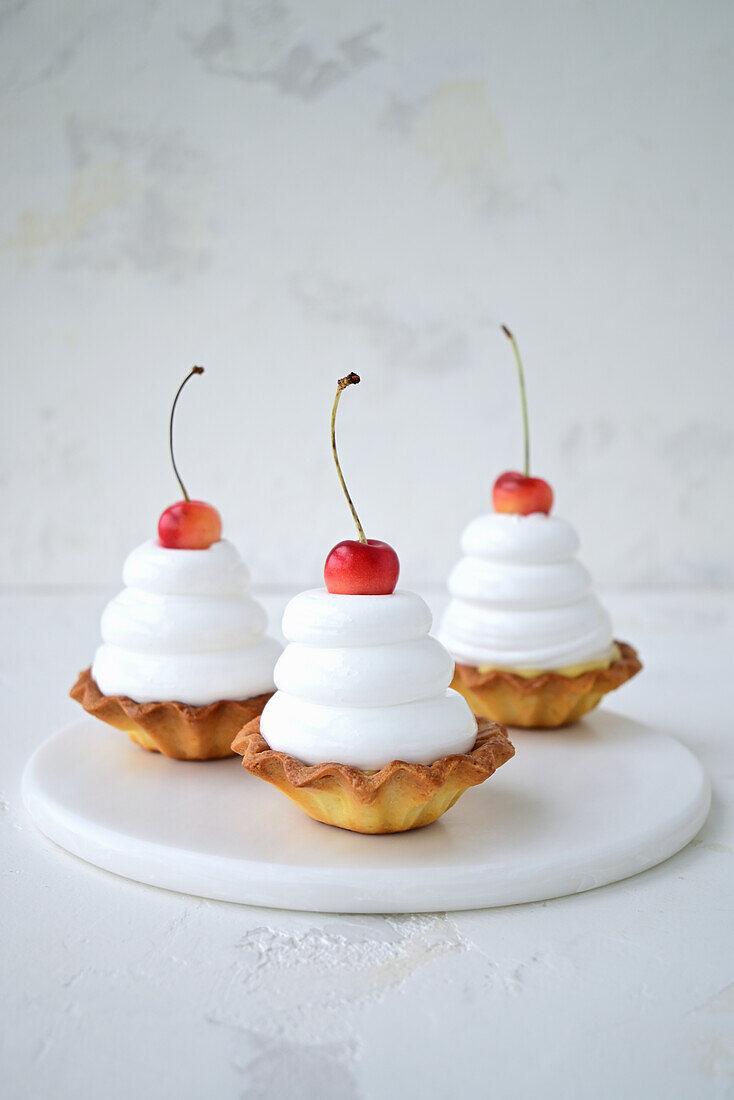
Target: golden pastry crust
[
  {"x": 546, "y": 701},
  {"x": 174, "y": 729},
  {"x": 398, "y": 797}
]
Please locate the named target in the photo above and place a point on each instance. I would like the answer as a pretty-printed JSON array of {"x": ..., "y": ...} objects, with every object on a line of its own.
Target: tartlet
[
  {"x": 364, "y": 732},
  {"x": 184, "y": 660},
  {"x": 546, "y": 701},
  {"x": 176, "y": 730},
  {"x": 398, "y": 797},
  {"x": 532, "y": 643}
]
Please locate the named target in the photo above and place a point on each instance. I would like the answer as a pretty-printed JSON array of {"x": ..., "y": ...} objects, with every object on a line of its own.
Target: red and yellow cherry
[
  {"x": 187, "y": 524},
  {"x": 358, "y": 567},
  {"x": 514, "y": 492},
  {"x": 368, "y": 568},
  {"x": 520, "y": 495}
]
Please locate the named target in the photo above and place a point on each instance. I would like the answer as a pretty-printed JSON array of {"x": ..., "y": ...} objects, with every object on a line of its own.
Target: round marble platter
[{"x": 573, "y": 810}]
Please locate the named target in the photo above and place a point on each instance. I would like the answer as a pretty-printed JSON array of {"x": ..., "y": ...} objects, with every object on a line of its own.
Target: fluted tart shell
[
  {"x": 175, "y": 729},
  {"x": 546, "y": 701},
  {"x": 396, "y": 798}
]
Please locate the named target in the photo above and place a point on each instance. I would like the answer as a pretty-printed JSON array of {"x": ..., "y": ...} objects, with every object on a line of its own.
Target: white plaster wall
[{"x": 287, "y": 191}]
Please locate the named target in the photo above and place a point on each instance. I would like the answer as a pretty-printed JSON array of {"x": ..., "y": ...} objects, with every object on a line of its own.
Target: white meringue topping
[
  {"x": 362, "y": 683},
  {"x": 185, "y": 629},
  {"x": 520, "y": 598}
]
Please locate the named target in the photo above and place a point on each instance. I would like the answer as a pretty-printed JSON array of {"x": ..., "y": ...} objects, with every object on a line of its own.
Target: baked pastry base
[
  {"x": 174, "y": 729},
  {"x": 394, "y": 799},
  {"x": 546, "y": 701}
]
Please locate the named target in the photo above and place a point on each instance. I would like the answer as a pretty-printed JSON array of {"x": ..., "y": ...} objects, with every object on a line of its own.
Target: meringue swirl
[
  {"x": 185, "y": 629},
  {"x": 521, "y": 600},
  {"x": 362, "y": 683}
]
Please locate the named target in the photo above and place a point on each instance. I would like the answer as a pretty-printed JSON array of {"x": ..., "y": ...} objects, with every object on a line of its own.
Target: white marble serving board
[{"x": 573, "y": 810}]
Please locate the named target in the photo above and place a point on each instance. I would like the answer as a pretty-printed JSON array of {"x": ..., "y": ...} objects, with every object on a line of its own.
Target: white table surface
[{"x": 113, "y": 989}]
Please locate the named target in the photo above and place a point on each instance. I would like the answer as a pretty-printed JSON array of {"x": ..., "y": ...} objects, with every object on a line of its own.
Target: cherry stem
[
  {"x": 523, "y": 397},
  {"x": 192, "y": 372},
  {"x": 350, "y": 380}
]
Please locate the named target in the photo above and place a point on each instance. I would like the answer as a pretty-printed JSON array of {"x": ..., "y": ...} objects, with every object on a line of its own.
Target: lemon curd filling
[{"x": 567, "y": 670}]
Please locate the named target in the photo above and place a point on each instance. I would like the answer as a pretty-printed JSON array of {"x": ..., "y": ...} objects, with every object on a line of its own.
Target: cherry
[
  {"x": 187, "y": 524},
  {"x": 364, "y": 567},
  {"x": 516, "y": 492},
  {"x": 368, "y": 568}
]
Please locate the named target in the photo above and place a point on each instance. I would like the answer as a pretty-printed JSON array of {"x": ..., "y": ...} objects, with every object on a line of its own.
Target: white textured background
[{"x": 288, "y": 191}]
